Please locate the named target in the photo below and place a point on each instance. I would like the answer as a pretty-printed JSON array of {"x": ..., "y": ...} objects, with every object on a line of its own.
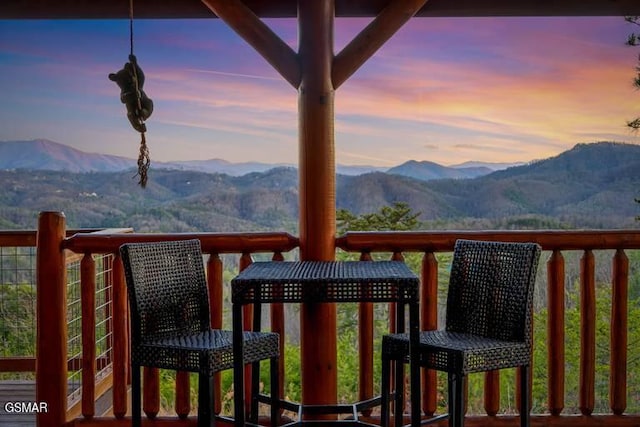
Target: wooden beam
[
  {"x": 255, "y": 32},
  {"x": 372, "y": 38}
]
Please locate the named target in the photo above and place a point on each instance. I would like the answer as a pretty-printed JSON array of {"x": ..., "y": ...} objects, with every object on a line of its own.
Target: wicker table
[{"x": 324, "y": 282}]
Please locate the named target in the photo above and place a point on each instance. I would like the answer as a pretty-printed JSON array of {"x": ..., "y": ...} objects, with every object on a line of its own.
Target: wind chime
[{"x": 139, "y": 106}]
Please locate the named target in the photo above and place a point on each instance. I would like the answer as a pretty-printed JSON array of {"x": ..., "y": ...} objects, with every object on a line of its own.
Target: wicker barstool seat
[
  {"x": 171, "y": 324},
  {"x": 459, "y": 352},
  {"x": 216, "y": 345},
  {"x": 488, "y": 324}
]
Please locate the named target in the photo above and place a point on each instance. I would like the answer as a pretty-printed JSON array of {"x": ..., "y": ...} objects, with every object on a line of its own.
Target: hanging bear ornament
[
  {"x": 139, "y": 106},
  {"x": 130, "y": 80}
]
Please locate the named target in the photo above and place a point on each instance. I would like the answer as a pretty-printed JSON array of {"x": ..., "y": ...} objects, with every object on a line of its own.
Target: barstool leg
[
  {"x": 205, "y": 401},
  {"x": 136, "y": 398},
  {"x": 255, "y": 388},
  {"x": 399, "y": 405},
  {"x": 460, "y": 400},
  {"x": 275, "y": 392},
  {"x": 524, "y": 396},
  {"x": 385, "y": 392},
  {"x": 451, "y": 398}
]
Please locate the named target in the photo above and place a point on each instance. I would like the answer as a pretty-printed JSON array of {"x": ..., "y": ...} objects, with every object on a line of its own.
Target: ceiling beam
[
  {"x": 372, "y": 38},
  {"x": 179, "y": 9},
  {"x": 255, "y": 32}
]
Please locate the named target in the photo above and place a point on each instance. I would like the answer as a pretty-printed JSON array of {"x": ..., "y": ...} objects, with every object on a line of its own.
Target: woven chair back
[
  {"x": 491, "y": 289},
  {"x": 167, "y": 288}
]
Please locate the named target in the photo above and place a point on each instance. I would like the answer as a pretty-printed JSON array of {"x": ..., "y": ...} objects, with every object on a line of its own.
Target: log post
[
  {"x": 51, "y": 306},
  {"x": 317, "y": 193}
]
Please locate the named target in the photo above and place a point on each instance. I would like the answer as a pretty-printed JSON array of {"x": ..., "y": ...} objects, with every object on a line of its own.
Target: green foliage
[
  {"x": 634, "y": 40},
  {"x": 399, "y": 217},
  {"x": 17, "y": 324}
]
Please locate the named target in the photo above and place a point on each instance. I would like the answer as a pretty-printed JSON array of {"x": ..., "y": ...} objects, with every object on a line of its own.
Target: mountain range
[
  {"x": 43, "y": 154},
  {"x": 589, "y": 186}
]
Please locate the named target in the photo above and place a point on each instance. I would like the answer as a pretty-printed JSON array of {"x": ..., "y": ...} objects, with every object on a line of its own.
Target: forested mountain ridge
[
  {"x": 589, "y": 186},
  {"x": 43, "y": 154}
]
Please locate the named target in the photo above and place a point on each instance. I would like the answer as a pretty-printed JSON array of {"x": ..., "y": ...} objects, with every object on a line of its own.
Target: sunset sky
[{"x": 444, "y": 90}]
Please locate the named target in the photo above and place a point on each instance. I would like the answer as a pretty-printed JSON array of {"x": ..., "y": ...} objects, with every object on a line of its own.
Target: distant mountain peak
[{"x": 425, "y": 170}]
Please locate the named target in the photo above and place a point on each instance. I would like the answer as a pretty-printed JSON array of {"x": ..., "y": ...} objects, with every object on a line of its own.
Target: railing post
[
  {"x": 51, "y": 301},
  {"x": 618, "y": 373},
  {"x": 365, "y": 345},
  {"x": 214, "y": 278},
  {"x": 88, "y": 302},
  {"x": 429, "y": 322},
  {"x": 555, "y": 332},
  {"x": 587, "y": 333},
  {"x": 120, "y": 340},
  {"x": 278, "y": 326},
  {"x": 245, "y": 261},
  {"x": 492, "y": 392}
]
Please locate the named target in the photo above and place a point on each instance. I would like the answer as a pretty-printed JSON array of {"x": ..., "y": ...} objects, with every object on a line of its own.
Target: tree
[
  {"x": 634, "y": 40},
  {"x": 398, "y": 217}
]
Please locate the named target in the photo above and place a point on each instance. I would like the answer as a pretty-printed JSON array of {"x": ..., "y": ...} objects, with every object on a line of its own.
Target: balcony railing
[{"x": 102, "y": 296}]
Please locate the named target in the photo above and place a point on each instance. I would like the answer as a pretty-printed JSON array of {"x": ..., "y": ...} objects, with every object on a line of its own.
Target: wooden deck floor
[{"x": 17, "y": 391}]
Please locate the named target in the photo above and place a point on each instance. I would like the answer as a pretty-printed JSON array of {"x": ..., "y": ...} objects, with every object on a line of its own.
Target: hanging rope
[
  {"x": 143, "y": 156},
  {"x": 139, "y": 106}
]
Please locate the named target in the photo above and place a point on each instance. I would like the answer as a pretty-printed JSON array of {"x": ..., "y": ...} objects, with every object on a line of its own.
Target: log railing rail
[
  {"x": 53, "y": 243},
  {"x": 52, "y": 370},
  {"x": 555, "y": 242}
]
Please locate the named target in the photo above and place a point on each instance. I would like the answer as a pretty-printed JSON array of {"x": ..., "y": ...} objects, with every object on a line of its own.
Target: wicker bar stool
[
  {"x": 171, "y": 323},
  {"x": 488, "y": 325}
]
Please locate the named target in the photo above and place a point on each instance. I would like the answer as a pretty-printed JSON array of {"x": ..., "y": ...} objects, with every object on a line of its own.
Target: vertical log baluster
[
  {"x": 88, "y": 307},
  {"x": 492, "y": 392},
  {"x": 214, "y": 281},
  {"x": 587, "y": 333},
  {"x": 120, "y": 339},
  {"x": 397, "y": 256},
  {"x": 429, "y": 322},
  {"x": 150, "y": 392},
  {"x": 245, "y": 261},
  {"x": 278, "y": 326},
  {"x": 365, "y": 345},
  {"x": 183, "y": 394},
  {"x": 618, "y": 372},
  {"x": 555, "y": 332}
]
